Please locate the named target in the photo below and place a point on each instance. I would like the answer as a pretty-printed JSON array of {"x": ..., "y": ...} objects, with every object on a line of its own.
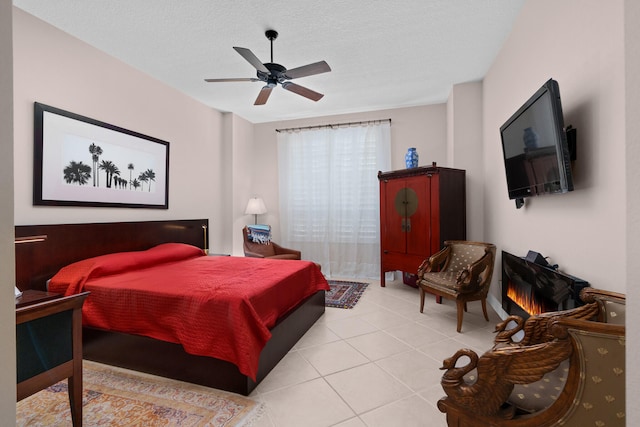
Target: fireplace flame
[{"x": 524, "y": 300}]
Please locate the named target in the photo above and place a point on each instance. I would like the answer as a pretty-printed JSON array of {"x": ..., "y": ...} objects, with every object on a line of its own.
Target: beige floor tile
[
  {"x": 353, "y": 422},
  {"x": 378, "y": 345},
  {"x": 384, "y": 318},
  {"x": 328, "y": 379},
  {"x": 292, "y": 369},
  {"x": 350, "y": 327},
  {"x": 333, "y": 357},
  {"x": 412, "y": 411},
  {"x": 318, "y": 334},
  {"x": 310, "y": 404},
  {"x": 413, "y": 368},
  {"x": 367, "y": 387},
  {"x": 443, "y": 350},
  {"x": 416, "y": 334},
  {"x": 433, "y": 394},
  {"x": 479, "y": 338},
  {"x": 440, "y": 322}
]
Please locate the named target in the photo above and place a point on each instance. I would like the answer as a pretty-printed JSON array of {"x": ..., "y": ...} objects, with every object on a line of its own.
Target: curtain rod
[{"x": 334, "y": 125}]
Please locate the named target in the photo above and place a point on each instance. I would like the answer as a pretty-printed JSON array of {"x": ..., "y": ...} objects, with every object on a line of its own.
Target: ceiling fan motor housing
[{"x": 275, "y": 74}]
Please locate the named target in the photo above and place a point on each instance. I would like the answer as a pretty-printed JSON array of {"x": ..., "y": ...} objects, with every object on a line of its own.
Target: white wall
[
  {"x": 421, "y": 127},
  {"x": 7, "y": 260},
  {"x": 464, "y": 149},
  {"x": 632, "y": 81},
  {"x": 54, "y": 68},
  {"x": 244, "y": 164},
  {"x": 580, "y": 44}
]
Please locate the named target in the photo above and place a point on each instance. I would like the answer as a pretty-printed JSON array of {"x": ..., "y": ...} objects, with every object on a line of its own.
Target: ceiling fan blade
[
  {"x": 248, "y": 79},
  {"x": 307, "y": 70},
  {"x": 263, "y": 95},
  {"x": 301, "y": 90},
  {"x": 252, "y": 59}
]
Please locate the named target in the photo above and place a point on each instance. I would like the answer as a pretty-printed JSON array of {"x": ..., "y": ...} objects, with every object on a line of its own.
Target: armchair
[
  {"x": 461, "y": 271},
  {"x": 266, "y": 250},
  {"x": 569, "y": 369}
]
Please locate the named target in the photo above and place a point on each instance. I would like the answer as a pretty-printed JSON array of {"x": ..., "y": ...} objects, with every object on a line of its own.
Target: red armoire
[{"x": 420, "y": 208}]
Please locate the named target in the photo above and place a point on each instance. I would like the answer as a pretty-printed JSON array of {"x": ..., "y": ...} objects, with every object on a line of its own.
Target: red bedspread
[{"x": 220, "y": 306}]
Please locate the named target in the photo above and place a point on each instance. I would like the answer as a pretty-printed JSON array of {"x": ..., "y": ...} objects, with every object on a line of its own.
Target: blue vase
[{"x": 411, "y": 158}]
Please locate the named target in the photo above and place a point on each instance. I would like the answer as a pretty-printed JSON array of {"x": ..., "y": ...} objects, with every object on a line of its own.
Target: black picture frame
[{"x": 79, "y": 161}]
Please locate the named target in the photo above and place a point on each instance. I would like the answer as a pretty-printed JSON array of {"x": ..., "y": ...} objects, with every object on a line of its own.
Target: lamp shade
[{"x": 255, "y": 207}]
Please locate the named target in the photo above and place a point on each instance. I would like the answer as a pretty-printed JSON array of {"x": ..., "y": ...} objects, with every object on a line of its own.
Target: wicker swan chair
[
  {"x": 461, "y": 271},
  {"x": 568, "y": 369}
]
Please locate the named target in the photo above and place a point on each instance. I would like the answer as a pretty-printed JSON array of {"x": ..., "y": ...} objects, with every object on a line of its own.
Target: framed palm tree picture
[{"x": 80, "y": 161}]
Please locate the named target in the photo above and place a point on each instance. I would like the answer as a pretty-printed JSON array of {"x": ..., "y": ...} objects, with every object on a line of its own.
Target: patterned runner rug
[
  {"x": 344, "y": 294},
  {"x": 118, "y": 397}
]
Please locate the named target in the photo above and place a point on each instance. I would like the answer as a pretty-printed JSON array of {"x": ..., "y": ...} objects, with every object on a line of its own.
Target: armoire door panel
[
  {"x": 394, "y": 239},
  {"x": 419, "y": 209},
  {"x": 418, "y": 237}
]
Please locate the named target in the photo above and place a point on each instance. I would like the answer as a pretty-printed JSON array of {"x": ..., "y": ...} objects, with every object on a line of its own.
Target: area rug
[
  {"x": 344, "y": 294},
  {"x": 119, "y": 397}
]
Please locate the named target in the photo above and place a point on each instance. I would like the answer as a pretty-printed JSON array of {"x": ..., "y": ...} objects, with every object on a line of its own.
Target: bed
[{"x": 277, "y": 303}]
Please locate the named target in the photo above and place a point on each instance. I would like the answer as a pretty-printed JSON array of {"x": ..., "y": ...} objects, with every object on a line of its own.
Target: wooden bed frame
[{"x": 38, "y": 261}]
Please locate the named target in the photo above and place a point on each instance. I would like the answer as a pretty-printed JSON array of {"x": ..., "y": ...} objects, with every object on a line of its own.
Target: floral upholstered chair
[
  {"x": 461, "y": 271},
  {"x": 568, "y": 369}
]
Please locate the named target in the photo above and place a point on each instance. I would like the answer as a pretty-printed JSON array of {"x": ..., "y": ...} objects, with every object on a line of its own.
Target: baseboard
[{"x": 497, "y": 306}]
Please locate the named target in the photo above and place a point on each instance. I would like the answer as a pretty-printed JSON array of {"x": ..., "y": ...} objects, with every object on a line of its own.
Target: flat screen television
[{"x": 537, "y": 158}]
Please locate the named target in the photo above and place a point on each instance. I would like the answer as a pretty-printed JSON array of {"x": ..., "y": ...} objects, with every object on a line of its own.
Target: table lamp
[{"x": 255, "y": 207}]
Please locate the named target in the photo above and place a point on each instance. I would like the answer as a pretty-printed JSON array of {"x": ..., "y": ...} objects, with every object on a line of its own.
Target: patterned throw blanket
[{"x": 259, "y": 233}]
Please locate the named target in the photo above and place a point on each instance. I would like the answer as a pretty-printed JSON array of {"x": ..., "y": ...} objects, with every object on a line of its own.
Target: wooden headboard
[{"x": 36, "y": 262}]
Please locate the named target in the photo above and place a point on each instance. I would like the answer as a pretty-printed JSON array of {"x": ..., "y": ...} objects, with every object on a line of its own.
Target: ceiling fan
[{"x": 272, "y": 74}]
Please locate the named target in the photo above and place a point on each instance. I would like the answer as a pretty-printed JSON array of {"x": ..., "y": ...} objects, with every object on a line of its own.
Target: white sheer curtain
[{"x": 329, "y": 195}]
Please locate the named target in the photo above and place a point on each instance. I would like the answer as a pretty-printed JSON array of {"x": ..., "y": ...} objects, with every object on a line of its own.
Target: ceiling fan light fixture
[{"x": 272, "y": 73}]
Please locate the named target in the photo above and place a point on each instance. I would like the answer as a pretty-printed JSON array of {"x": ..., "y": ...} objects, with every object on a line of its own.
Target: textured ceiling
[{"x": 383, "y": 54}]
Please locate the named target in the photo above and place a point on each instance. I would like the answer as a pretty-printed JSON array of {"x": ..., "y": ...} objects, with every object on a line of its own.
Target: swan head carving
[
  {"x": 454, "y": 375},
  {"x": 505, "y": 335},
  {"x": 450, "y": 362}
]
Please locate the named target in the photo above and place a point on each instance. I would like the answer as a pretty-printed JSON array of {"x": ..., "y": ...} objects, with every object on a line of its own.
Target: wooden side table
[
  {"x": 49, "y": 345},
  {"x": 31, "y": 296}
]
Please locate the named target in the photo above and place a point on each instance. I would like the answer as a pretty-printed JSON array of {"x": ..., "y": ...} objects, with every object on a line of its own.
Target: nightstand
[
  {"x": 31, "y": 296},
  {"x": 49, "y": 345}
]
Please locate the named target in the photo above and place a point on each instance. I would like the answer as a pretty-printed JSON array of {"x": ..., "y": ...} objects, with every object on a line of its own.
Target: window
[{"x": 329, "y": 195}]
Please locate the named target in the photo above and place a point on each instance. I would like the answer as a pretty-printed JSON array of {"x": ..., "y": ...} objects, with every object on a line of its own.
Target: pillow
[
  {"x": 259, "y": 233},
  {"x": 70, "y": 278},
  {"x": 167, "y": 252}
]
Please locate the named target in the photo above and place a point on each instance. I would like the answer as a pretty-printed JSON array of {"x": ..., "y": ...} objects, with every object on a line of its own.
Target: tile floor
[{"x": 374, "y": 365}]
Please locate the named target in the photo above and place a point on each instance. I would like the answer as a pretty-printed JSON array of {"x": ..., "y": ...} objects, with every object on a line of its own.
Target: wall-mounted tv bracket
[{"x": 571, "y": 142}]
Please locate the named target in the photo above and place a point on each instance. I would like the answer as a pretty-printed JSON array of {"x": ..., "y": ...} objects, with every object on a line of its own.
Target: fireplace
[{"x": 529, "y": 287}]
